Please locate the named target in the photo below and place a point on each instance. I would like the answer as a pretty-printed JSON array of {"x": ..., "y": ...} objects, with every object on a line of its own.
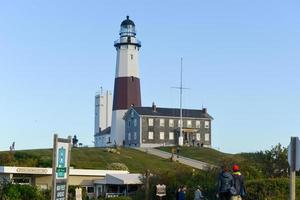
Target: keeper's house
[
  {"x": 97, "y": 183},
  {"x": 154, "y": 126}
]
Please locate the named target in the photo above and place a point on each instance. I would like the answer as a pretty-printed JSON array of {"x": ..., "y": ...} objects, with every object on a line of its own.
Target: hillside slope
[
  {"x": 91, "y": 158},
  {"x": 208, "y": 155}
]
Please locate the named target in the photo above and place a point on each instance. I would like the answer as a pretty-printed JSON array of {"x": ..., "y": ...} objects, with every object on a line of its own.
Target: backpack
[{"x": 232, "y": 191}]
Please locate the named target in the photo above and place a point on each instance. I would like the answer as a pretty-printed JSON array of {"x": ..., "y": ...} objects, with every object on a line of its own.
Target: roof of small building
[
  {"x": 106, "y": 131},
  {"x": 172, "y": 112},
  {"x": 48, "y": 171},
  {"x": 121, "y": 179}
]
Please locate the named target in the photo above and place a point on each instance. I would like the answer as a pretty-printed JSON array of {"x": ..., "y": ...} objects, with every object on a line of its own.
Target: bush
[
  {"x": 276, "y": 188},
  {"x": 116, "y": 198},
  {"x": 23, "y": 192},
  {"x": 117, "y": 166}
]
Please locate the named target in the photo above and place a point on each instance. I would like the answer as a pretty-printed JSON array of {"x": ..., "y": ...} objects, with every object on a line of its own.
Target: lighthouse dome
[
  {"x": 127, "y": 28},
  {"x": 127, "y": 22}
]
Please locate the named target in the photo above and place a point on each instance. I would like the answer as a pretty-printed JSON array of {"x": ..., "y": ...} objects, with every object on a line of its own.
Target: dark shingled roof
[
  {"x": 106, "y": 131},
  {"x": 172, "y": 112}
]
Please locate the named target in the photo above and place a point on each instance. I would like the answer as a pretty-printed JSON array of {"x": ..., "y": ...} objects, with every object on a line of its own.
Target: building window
[
  {"x": 134, "y": 122},
  {"x": 198, "y": 136},
  {"x": 162, "y": 122},
  {"x": 131, "y": 56},
  {"x": 206, "y": 136},
  {"x": 22, "y": 180},
  {"x": 198, "y": 125},
  {"x": 206, "y": 124},
  {"x": 90, "y": 190},
  {"x": 162, "y": 135},
  {"x": 171, "y": 123},
  {"x": 132, "y": 114},
  {"x": 134, "y": 135},
  {"x": 129, "y": 136},
  {"x": 179, "y": 122},
  {"x": 129, "y": 123},
  {"x": 150, "y": 122},
  {"x": 171, "y": 135},
  {"x": 150, "y": 135},
  {"x": 189, "y": 123}
]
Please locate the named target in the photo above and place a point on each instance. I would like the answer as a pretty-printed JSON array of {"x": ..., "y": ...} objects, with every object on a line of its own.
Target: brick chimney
[{"x": 153, "y": 107}]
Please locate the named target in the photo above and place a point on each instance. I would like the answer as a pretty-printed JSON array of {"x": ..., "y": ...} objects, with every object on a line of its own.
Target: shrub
[
  {"x": 275, "y": 188},
  {"x": 116, "y": 198},
  {"x": 23, "y": 192},
  {"x": 117, "y": 166}
]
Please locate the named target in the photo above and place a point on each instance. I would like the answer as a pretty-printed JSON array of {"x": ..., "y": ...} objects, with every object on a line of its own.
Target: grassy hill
[
  {"x": 91, "y": 158},
  {"x": 208, "y": 155}
]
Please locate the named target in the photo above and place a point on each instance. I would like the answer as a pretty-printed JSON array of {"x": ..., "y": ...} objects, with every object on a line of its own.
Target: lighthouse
[{"x": 127, "y": 90}]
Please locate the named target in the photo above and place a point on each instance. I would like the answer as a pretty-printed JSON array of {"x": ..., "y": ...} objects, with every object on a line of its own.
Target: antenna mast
[
  {"x": 181, "y": 88},
  {"x": 181, "y": 122}
]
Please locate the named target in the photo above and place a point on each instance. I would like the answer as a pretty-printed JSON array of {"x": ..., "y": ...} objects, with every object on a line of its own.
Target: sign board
[
  {"x": 297, "y": 156},
  {"x": 78, "y": 193},
  {"x": 60, "y": 168},
  {"x": 180, "y": 140},
  {"x": 160, "y": 190}
]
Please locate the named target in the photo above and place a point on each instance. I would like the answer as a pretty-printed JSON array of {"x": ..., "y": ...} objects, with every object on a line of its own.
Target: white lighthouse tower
[{"x": 127, "y": 83}]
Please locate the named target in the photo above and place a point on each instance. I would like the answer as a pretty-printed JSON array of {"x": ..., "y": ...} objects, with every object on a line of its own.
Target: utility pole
[{"x": 293, "y": 146}]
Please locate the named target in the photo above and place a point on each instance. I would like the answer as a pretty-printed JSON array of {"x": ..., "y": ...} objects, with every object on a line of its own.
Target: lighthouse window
[{"x": 131, "y": 56}]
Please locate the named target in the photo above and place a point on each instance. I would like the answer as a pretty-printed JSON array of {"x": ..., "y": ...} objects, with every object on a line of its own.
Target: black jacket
[
  {"x": 238, "y": 181},
  {"x": 225, "y": 181}
]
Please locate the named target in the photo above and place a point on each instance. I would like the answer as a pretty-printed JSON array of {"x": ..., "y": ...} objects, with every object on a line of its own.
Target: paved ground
[{"x": 184, "y": 160}]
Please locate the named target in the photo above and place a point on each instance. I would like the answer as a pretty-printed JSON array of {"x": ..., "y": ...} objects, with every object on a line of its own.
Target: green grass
[
  {"x": 94, "y": 158},
  {"x": 208, "y": 155}
]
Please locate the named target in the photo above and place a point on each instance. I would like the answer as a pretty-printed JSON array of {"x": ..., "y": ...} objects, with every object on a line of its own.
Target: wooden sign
[
  {"x": 160, "y": 190},
  {"x": 60, "y": 168}
]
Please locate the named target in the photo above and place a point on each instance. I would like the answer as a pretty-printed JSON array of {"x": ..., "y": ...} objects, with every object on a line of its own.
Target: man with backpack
[
  {"x": 225, "y": 182},
  {"x": 238, "y": 183}
]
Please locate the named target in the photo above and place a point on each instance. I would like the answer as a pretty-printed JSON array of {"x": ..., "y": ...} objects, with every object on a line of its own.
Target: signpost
[
  {"x": 160, "y": 190},
  {"x": 60, "y": 168},
  {"x": 78, "y": 193},
  {"x": 294, "y": 162}
]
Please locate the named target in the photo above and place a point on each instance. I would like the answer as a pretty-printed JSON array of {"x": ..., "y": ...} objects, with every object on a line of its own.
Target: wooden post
[
  {"x": 147, "y": 184},
  {"x": 55, "y": 138},
  {"x": 293, "y": 169},
  {"x": 68, "y": 164}
]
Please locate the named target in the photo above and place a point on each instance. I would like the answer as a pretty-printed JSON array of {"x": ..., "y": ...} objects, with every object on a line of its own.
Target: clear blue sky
[{"x": 240, "y": 61}]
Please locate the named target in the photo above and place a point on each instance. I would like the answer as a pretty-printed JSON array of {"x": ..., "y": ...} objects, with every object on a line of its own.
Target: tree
[{"x": 276, "y": 161}]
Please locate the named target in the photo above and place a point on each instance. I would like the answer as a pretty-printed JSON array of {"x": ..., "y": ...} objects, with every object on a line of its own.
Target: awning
[{"x": 121, "y": 179}]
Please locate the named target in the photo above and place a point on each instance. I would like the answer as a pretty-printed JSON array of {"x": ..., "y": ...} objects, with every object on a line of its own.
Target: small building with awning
[
  {"x": 95, "y": 182},
  {"x": 118, "y": 185}
]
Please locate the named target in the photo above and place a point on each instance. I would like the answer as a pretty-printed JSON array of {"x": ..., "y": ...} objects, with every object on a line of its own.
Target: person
[
  {"x": 177, "y": 152},
  {"x": 198, "y": 194},
  {"x": 225, "y": 182},
  {"x": 238, "y": 180},
  {"x": 181, "y": 193}
]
